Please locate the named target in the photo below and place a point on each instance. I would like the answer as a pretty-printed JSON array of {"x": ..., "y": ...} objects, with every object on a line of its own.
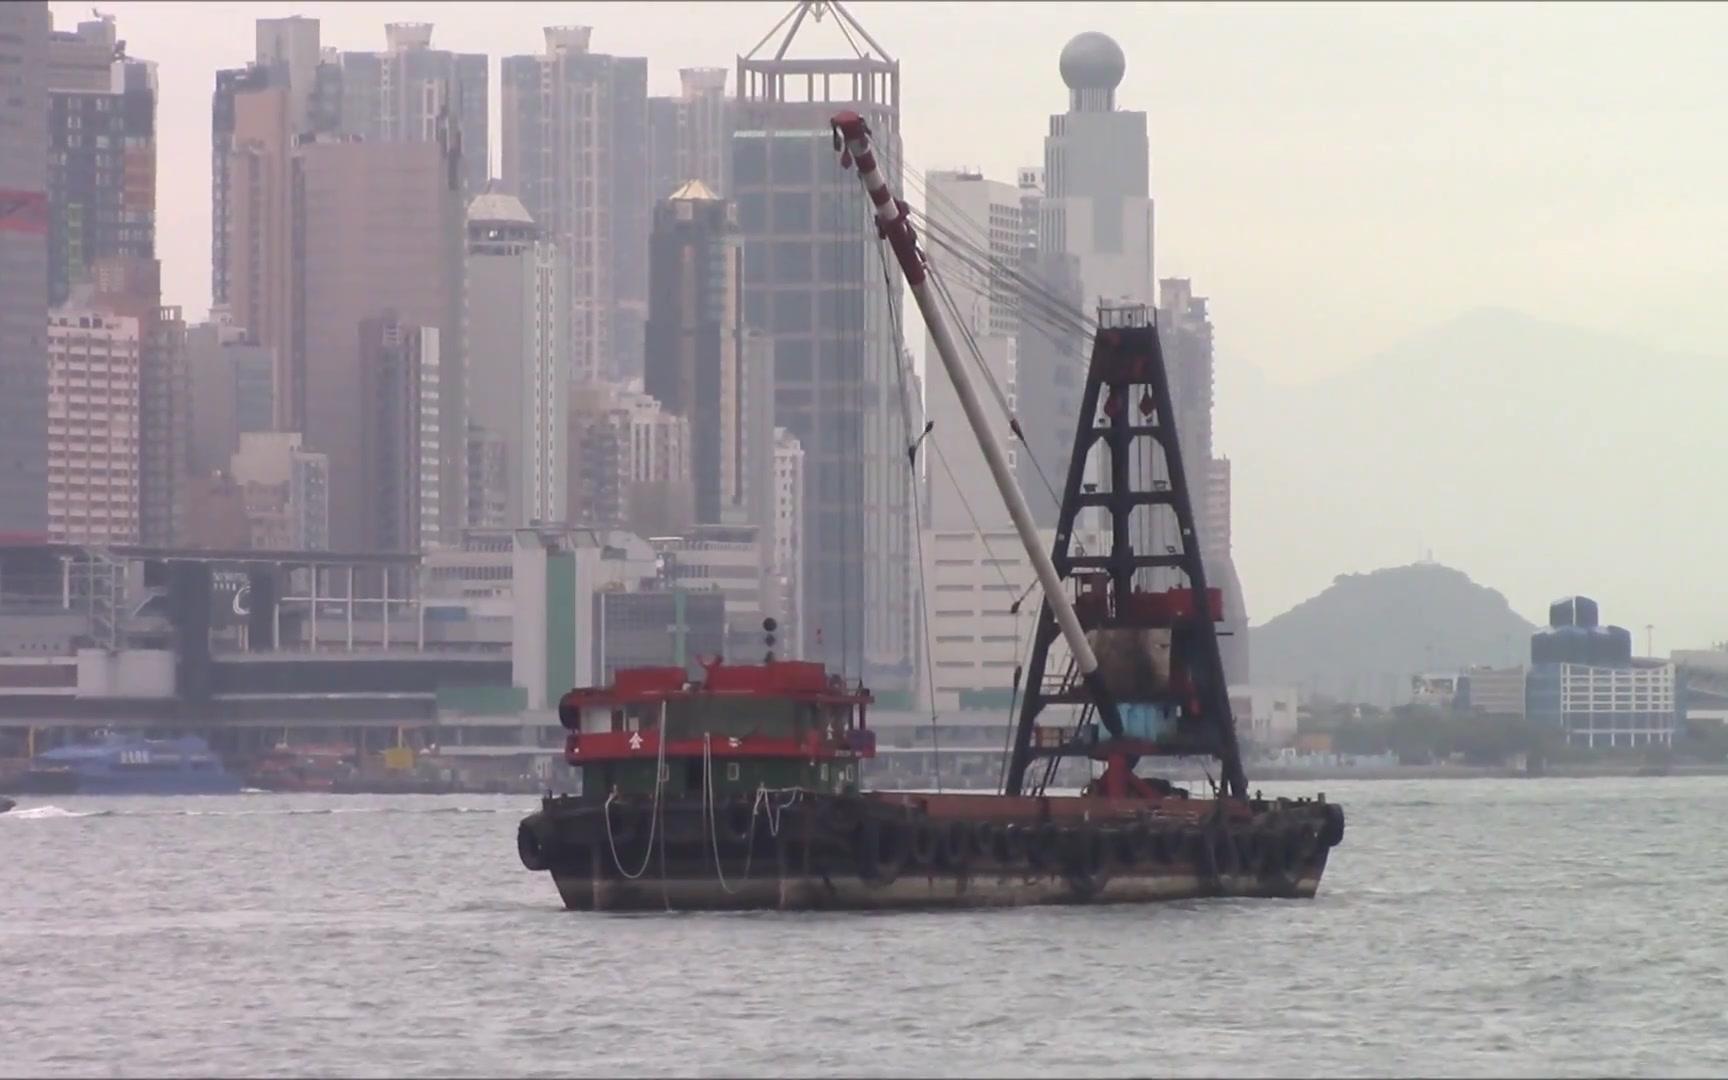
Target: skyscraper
[
  {"x": 689, "y": 136},
  {"x": 1094, "y": 247},
  {"x": 24, "y": 29},
  {"x": 102, "y": 154},
  {"x": 290, "y": 51},
  {"x": 398, "y": 95},
  {"x": 400, "y": 439},
  {"x": 102, "y": 200},
  {"x": 816, "y": 283},
  {"x": 379, "y": 231},
  {"x": 519, "y": 377},
  {"x": 1097, "y": 177},
  {"x": 696, "y": 364},
  {"x": 575, "y": 151},
  {"x": 258, "y": 269},
  {"x": 288, "y": 57}
]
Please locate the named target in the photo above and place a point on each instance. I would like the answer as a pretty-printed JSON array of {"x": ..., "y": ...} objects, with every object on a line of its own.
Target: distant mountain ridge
[
  {"x": 1362, "y": 638},
  {"x": 1550, "y": 459}
]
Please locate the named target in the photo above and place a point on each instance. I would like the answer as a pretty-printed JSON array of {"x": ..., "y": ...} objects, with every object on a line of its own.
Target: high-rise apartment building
[
  {"x": 401, "y": 438},
  {"x": 575, "y": 151},
  {"x": 379, "y": 233},
  {"x": 132, "y": 287},
  {"x": 258, "y": 247},
  {"x": 288, "y": 57},
  {"x": 488, "y": 478},
  {"x": 286, "y": 491},
  {"x": 689, "y": 136},
  {"x": 814, "y": 283},
  {"x": 24, "y": 218},
  {"x": 519, "y": 367},
  {"x": 290, "y": 51},
  {"x": 629, "y": 461},
  {"x": 94, "y": 416},
  {"x": 102, "y": 154},
  {"x": 229, "y": 379},
  {"x": 400, "y": 94}
]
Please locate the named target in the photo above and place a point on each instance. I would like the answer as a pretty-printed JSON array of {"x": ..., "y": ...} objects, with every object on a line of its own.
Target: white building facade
[
  {"x": 519, "y": 366},
  {"x": 94, "y": 413},
  {"x": 787, "y": 523}
]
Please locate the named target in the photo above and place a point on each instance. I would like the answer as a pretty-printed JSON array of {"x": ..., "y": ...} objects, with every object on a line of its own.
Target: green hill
[{"x": 1364, "y": 637}]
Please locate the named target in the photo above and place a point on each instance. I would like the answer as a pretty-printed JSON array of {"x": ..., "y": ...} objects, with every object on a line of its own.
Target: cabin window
[
  {"x": 824, "y": 772},
  {"x": 732, "y": 770},
  {"x": 848, "y": 772}
]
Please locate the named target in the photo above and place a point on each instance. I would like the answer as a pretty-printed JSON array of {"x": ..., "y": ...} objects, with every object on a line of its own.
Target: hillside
[
  {"x": 1546, "y": 458},
  {"x": 1366, "y": 634}
]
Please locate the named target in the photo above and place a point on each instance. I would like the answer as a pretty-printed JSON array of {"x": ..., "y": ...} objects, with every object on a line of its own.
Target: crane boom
[{"x": 852, "y": 137}]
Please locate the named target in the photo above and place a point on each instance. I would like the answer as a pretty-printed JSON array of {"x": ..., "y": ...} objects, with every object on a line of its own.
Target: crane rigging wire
[
  {"x": 900, "y": 357},
  {"x": 967, "y": 254}
]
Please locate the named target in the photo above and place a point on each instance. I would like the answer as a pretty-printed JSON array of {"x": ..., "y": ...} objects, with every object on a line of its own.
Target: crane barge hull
[{"x": 881, "y": 851}]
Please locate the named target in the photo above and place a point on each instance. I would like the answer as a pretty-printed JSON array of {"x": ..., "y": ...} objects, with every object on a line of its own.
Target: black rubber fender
[
  {"x": 1225, "y": 858},
  {"x": 958, "y": 844},
  {"x": 529, "y": 848},
  {"x": 1332, "y": 833},
  {"x": 926, "y": 842},
  {"x": 1197, "y": 846},
  {"x": 1249, "y": 847},
  {"x": 1089, "y": 852},
  {"x": 1169, "y": 846},
  {"x": 1044, "y": 846},
  {"x": 987, "y": 840},
  {"x": 1150, "y": 848},
  {"x": 1125, "y": 847},
  {"x": 842, "y": 815},
  {"x": 882, "y": 850},
  {"x": 1016, "y": 846}
]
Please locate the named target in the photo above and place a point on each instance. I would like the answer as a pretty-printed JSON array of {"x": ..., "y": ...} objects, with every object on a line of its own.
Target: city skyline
[{"x": 1397, "y": 158}]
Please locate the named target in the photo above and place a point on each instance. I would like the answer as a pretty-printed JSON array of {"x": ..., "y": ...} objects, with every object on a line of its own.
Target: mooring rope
[{"x": 653, "y": 814}]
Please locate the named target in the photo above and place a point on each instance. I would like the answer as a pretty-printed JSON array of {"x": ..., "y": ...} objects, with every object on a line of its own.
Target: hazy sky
[{"x": 1335, "y": 177}]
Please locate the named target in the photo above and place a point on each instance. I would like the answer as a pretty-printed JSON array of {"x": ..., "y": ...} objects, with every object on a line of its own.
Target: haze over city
[
  {"x": 1215, "y": 504},
  {"x": 1336, "y": 178}
]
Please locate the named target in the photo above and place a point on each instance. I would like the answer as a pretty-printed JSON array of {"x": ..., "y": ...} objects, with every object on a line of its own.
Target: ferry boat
[
  {"x": 741, "y": 788},
  {"x": 119, "y": 764}
]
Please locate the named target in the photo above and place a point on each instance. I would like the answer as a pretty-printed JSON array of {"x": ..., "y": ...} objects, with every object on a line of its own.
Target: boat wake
[
  {"x": 37, "y": 813},
  {"x": 41, "y": 813}
]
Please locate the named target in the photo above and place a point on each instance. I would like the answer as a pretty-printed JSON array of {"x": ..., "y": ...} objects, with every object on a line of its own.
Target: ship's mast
[{"x": 852, "y": 135}]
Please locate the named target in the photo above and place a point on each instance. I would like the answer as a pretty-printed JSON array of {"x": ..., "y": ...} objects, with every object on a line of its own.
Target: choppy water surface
[{"x": 1545, "y": 927}]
